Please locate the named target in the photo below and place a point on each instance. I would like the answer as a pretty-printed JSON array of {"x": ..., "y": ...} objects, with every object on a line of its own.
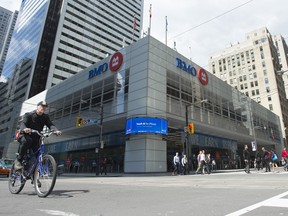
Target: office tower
[
  {"x": 54, "y": 40},
  {"x": 253, "y": 67},
  {"x": 7, "y": 23},
  {"x": 65, "y": 37}
]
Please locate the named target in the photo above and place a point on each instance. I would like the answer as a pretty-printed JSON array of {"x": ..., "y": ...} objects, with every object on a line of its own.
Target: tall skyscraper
[
  {"x": 63, "y": 37},
  {"x": 7, "y": 23},
  {"x": 53, "y": 40},
  {"x": 253, "y": 68}
]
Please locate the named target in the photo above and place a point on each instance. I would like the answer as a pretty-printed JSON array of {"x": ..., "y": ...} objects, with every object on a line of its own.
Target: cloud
[
  {"x": 11, "y": 5},
  {"x": 201, "y": 28}
]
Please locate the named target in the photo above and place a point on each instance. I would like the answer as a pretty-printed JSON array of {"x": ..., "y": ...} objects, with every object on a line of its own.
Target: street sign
[
  {"x": 254, "y": 146},
  {"x": 185, "y": 129}
]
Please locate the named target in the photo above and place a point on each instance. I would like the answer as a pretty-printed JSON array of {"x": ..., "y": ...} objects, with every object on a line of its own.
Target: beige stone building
[
  {"x": 253, "y": 67},
  {"x": 282, "y": 51}
]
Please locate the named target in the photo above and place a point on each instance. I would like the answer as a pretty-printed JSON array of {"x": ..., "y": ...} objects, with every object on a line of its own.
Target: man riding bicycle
[{"x": 35, "y": 120}]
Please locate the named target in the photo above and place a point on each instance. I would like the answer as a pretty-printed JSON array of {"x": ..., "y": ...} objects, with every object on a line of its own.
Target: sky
[{"x": 198, "y": 29}]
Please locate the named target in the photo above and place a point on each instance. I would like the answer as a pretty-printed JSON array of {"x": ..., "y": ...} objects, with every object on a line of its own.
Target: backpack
[
  {"x": 268, "y": 155},
  {"x": 274, "y": 157}
]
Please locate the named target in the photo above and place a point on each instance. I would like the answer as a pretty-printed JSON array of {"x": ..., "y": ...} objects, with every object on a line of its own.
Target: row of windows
[
  {"x": 89, "y": 98},
  {"x": 234, "y": 60}
]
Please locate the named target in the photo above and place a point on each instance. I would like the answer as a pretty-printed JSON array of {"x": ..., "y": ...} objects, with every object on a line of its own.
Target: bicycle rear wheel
[
  {"x": 45, "y": 176},
  {"x": 15, "y": 181}
]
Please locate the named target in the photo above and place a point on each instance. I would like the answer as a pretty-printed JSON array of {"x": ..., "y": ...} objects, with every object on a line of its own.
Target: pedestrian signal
[
  {"x": 79, "y": 122},
  {"x": 191, "y": 128}
]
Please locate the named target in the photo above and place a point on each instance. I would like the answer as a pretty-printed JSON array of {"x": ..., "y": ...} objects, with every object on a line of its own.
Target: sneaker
[{"x": 17, "y": 165}]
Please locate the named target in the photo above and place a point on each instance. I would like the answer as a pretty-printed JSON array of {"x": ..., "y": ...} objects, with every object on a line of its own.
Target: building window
[
  {"x": 269, "y": 98},
  {"x": 252, "y": 84},
  {"x": 256, "y": 83},
  {"x": 258, "y": 99},
  {"x": 267, "y": 89},
  {"x": 263, "y": 64},
  {"x": 265, "y": 72},
  {"x": 266, "y": 81},
  {"x": 261, "y": 48},
  {"x": 257, "y": 92},
  {"x": 245, "y": 85},
  {"x": 271, "y": 107},
  {"x": 253, "y": 92}
]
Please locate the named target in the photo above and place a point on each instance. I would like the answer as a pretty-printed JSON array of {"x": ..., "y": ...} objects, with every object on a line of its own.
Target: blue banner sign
[{"x": 146, "y": 125}]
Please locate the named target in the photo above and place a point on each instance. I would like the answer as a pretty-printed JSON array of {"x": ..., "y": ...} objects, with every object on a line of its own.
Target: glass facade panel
[{"x": 27, "y": 34}]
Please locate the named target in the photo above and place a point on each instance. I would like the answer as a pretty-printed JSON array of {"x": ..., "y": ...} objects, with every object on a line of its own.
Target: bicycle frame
[
  {"x": 42, "y": 171},
  {"x": 38, "y": 155}
]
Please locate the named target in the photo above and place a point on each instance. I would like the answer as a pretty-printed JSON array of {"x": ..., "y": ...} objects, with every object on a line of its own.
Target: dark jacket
[
  {"x": 36, "y": 122},
  {"x": 246, "y": 154}
]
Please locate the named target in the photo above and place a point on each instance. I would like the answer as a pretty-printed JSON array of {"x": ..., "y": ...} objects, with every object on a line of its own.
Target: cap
[{"x": 42, "y": 103}]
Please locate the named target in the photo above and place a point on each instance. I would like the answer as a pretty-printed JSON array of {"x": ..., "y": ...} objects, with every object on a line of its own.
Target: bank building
[{"x": 134, "y": 108}]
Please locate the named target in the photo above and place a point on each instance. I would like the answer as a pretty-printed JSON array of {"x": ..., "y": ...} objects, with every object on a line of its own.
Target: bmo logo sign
[
  {"x": 114, "y": 64},
  {"x": 200, "y": 73},
  {"x": 202, "y": 76},
  {"x": 116, "y": 61}
]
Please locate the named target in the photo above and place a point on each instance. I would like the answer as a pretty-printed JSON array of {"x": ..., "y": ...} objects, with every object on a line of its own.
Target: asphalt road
[{"x": 233, "y": 193}]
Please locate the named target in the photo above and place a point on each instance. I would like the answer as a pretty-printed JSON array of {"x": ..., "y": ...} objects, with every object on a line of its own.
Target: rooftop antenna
[{"x": 175, "y": 46}]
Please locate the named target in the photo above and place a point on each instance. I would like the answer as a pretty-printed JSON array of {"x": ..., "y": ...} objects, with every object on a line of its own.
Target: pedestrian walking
[
  {"x": 176, "y": 163},
  {"x": 246, "y": 157},
  {"x": 284, "y": 156},
  {"x": 266, "y": 159},
  {"x": 198, "y": 162},
  {"x": 184, "y": 163}
]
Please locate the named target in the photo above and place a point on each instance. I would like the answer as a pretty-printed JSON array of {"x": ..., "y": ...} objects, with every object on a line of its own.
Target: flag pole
[
  {"x": 166, "y": 30},
  {"x": 134, "y": 26},
  {"x": 150, "y": 16}
]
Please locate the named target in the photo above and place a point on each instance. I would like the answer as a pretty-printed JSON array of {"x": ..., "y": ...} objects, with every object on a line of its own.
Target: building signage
[
  {"x": 201, "y": 73},
  {"x": 114, "y": 64},
  {"x": 146, "y": 125},
  {"x": 116, "y": 61}
]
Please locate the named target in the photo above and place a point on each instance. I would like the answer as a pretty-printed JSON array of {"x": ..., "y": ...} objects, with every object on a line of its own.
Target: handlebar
[{"x": 44, "y": 134}]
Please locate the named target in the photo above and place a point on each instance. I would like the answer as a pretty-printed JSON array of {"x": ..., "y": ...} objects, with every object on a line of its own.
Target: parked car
[
  {"x": 8, "y": 162},
  {"x": 4, "y": 169}
]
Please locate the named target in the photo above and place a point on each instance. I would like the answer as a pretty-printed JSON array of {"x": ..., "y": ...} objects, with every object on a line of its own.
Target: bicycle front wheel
[
  {"x": 45, "y": 176},
  {"x": 15, "y": 180}
]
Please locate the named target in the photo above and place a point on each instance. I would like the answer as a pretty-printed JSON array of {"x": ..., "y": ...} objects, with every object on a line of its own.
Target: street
[{"x": 227, "y": 193}]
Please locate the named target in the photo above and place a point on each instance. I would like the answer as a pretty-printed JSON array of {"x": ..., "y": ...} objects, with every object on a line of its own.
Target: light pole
[
  {"x": 101, "y": 143},
  {"x": 187, "y": 150}
]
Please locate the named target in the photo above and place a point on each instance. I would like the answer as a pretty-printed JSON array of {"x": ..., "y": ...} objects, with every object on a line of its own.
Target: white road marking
[
  {"x": 276, "y": 201},
  {"x": 58, "y": 213}
]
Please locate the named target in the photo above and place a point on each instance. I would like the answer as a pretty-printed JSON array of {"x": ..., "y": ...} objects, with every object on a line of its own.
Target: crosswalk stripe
[{"x": 276, "y": 201}]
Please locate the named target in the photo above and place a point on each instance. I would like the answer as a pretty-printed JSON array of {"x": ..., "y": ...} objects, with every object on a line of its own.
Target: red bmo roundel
[
  {"x": 116, "y": 61},
  {"x": 202, "y": 76}
]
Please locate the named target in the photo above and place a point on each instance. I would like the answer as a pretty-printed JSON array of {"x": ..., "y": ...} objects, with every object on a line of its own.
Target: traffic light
[
  {"x": 79, "y": 121},
  {"x": 191, "y": 128}
]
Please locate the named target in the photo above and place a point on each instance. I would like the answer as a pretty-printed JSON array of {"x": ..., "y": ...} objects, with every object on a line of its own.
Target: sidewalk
[{"x": 139, "y": 174}]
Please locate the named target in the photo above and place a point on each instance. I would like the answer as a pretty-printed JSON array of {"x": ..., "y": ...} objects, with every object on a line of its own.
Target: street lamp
[{"x": 186, "y": 122}]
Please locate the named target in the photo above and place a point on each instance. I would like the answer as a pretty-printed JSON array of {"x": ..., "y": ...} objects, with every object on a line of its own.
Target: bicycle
[{"x": 39, "y": 167}]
